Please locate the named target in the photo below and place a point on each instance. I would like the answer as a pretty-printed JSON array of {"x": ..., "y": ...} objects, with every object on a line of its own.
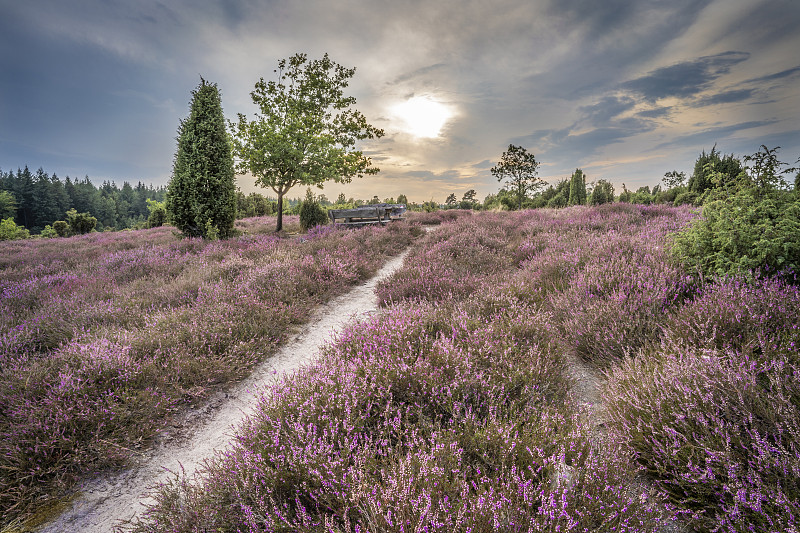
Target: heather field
[
  {"x": 105, "y": 336},
  {"x": 456, "y": 409}
]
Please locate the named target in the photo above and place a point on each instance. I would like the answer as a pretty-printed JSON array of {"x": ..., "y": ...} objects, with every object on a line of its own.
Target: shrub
[
  {"x": 9, "y": 231},
  {"x": 158, "y": 213},
  {"x": 312, "y": 214},
  {"x": 61, "y": 228},
  {"x": 48, "y": 232},
  {"x": 687, "y": 198},
  {"x": 80, "y": 223},
  {"x": 743, "y": 233}
]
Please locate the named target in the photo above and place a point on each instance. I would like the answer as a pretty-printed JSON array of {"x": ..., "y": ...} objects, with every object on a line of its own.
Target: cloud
[
  {"x": 712, "y": 135},
  {"x": 776, "y": 76},
  {"x": 685, "y": 79},
  {"x": 727, "y": 97}
]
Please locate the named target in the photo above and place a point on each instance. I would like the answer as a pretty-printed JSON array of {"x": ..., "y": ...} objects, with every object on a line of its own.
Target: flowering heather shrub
[
  {"x": 437, "y": 217},
  {"x": 105, "y": 334},
  {"x": 714, "y": 413},
  {"x": 719, "y": 432},
  {"x": 455, "y": 261},
  {"x": 427, "y": 420},
  {"x": 735, "y": 314}
]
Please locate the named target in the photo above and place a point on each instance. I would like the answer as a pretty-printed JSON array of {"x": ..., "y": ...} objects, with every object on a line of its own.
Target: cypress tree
[
  {"x": 577, "y": 188},
  {"x": 201, "y": 198}
]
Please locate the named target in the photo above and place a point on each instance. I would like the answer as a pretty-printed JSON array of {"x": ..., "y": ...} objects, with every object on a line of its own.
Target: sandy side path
[{"x": 106, "y": 501}]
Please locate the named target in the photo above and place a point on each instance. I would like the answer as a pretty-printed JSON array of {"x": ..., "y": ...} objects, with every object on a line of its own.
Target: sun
[{"x": 422, "y": 116}]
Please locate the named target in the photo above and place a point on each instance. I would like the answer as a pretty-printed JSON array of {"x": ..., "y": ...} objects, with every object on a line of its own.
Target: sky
[{"x": 624, "y": 89}]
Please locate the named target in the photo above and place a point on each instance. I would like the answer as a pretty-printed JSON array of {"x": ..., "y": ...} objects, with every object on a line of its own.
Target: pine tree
[{"x": 201, "y": 199}]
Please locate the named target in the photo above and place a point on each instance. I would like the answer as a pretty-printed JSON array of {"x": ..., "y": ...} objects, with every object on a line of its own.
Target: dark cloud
[
  {"x": 686, "y": 79},
  {"x": 727, "y": 97},
  {"x": 656, "y": 112},
  {"x": 607, "y": 109},
  {"x": 713, "y": 135},
  {"x": 777, "y": 76}
]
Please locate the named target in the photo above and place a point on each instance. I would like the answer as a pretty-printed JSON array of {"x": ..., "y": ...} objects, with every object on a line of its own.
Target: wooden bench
[{"x": 368, "y": 214}]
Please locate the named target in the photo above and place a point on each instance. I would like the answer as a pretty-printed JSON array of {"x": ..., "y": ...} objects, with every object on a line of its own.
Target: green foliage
[
  {"x": 61, "y": 228},
  {"x": 312, "y": 214},
  {"x": 711, "y": 170},
  {"x": 201, "y": 192},
  {"x": 674, "y": 179},
  {"x": 158, "y": 213},
  {"x": 519, "y": 168},
  {"x": 8, "y": 205},
  {"x": 451, "y": 200},
  {"x": 602, "y": 193},
  {"x": 577, "y": 188},
  {"x": 80, "y": 223},
  {"x": 253, "y": 205},
  {"x": 48, "y": 232},
  {"x": 9, "y": 231},
  {"x": 41, "y": 199},
  {"x": 685, "y": 197},
  {"x": 306, "y": 131},
  {"x": 748, "y": 231},
  {"x": 430, "y": 206},
  {"x": 401, "y": 199},
  {"x": 766, "y": 171}
]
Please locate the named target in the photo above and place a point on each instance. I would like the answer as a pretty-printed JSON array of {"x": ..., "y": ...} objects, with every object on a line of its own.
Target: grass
[{"x": 104, "y": 336}]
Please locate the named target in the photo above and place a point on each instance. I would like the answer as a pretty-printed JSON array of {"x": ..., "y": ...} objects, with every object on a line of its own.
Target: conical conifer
[{"x": 201, "y": 198}]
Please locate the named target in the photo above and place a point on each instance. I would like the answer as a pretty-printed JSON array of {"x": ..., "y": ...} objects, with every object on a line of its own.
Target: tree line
[{"x": 35, "y": 200}]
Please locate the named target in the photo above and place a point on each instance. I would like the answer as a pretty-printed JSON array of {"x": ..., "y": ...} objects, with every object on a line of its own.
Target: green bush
[
  {"x": 687, "y": 198},
  {"x": 748, "y": 231},
  {"x": 312, "y": 214},
  {"x": 48, "y": 232},
  {"x": 9, "y": 231},
  {"x": 61, "y": 228},
  {"x": 80, "y": 223},
  {"x": 158, "y": 213}
]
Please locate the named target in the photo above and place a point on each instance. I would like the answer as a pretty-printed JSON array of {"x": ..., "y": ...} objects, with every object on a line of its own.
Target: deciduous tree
[
  {"x": 519, "y": 168},
  {"x": 306, "y": 131}
]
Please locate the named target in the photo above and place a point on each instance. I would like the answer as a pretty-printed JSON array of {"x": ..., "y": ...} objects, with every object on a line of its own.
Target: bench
[{"x": 368, "y": 214}]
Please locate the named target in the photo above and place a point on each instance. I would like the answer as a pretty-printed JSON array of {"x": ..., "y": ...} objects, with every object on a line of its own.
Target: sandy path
[{"x": 105, "y": 502}]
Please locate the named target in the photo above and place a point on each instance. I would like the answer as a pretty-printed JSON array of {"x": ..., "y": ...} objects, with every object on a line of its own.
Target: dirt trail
[{"x": 105, "y": 502}]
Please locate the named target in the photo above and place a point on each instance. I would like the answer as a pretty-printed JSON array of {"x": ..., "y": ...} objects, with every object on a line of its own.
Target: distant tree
[
  {"x": 341, "y": 199},
  {"x": 577, "y": 188},
  {"x": 766, "y": 171},
  {"x": 311, "y": 212},
  {"x": 519, "y": 168},
  {"x": 602, "y": 193},
  {"x": 374, "y": 200},
  {"x": 402, "y": 199},
  {"x": 559, "y": 195},
  {"x": 8, "y": 205},
  {"x": 470, "y": 196},
  {"x": 61, "y": 228},
  {"x": 674, "y": 179},
  {"x": 201, "y": 196},
  {"x": 9, "y": 231},
  {"x": 306, "y": 131},
  {"x": 80, "y": 223},
  {"x": 713, "y": 170},
  {"x": 158, "y": 213},
  {"x": 451, "y": 200}
]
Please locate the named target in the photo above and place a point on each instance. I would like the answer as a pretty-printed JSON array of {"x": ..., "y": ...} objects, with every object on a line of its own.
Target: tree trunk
[{"x": 280, "y": 211}]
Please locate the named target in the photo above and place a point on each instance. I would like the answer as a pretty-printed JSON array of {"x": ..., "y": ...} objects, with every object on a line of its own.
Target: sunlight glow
[{"x": 422, "y": 117}]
